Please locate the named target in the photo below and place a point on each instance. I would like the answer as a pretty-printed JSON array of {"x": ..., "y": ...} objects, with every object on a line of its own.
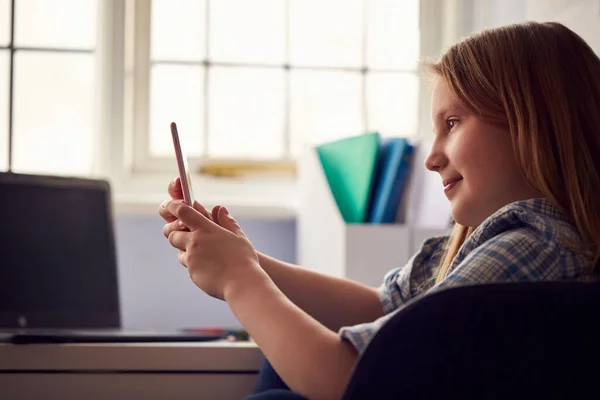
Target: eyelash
[{"x": 449, "y": 120}]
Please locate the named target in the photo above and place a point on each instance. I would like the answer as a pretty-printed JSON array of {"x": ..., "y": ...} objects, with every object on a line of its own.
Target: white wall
[
  {"x": 582, "y": 16},
  {"x": 156, "y": 291}
]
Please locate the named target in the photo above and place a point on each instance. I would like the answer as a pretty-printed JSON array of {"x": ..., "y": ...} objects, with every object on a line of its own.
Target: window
[
  {"x": 47, "y": 86},
  {"x": 89, "y": 87},
  {"x": 258, "y": 80}
]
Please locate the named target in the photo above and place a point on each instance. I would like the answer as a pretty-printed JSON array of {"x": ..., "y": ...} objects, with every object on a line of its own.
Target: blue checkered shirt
[{"x": 523, "y": 241}]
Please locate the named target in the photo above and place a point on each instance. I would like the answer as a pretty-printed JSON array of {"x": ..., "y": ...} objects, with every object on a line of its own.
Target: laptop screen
[{"x": 57, "y": 258}]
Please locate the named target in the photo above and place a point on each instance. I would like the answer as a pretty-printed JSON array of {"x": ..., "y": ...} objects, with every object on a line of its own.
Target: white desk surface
[
  {"x": 130, "y": 371},
  {"x": 214, "y": 356}
]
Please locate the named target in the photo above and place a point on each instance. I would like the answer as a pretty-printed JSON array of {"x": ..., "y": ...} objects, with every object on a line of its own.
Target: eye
[{"x": 451, "y": 123}]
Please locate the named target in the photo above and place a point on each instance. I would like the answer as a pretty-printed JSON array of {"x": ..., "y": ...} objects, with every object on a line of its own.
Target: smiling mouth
[{"x": 450, "y": 185}]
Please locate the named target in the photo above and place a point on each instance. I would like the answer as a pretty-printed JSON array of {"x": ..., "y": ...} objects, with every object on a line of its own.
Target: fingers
[
  {"x": 182, "y": 258},
  {"x": 229, "y": 223},
  {"x": 215, "y": 214},
  {"x": 165, "y": 214},
  {"x": 202, "y": 210},
  {"x": 192, "y": 218},
  {"x": 175, "y": 190},
  {"x": 174, "y": 226},
  {"x": 168, "y": 217},
  {"x": 179, "y": 239}
]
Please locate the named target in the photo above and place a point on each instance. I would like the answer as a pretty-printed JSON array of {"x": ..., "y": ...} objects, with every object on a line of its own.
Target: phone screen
[{"x": 182, "y": 164}]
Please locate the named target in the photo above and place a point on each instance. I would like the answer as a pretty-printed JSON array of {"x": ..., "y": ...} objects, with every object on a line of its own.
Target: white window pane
[
  {"x": 54, "y": 113},
  {"x": 57, "y": 23},
  {"x": 4, "y": 22},
  {"x": 393, "y": 34},
  {"x": 176, "y": 95},
  {"x": 246, "y": 112},
  {"x": 4, "y": 66},
  {"x": 326, "y": 33},
  {"x": 178, "y": 30},
  {"x": 325, "y": 105},
  {"x": 247, "y": 31},
  {"x": 392, "y": 103}
]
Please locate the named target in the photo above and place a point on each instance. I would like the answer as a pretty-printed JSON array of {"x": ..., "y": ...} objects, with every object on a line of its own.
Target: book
[
  {"x": 391, "y": 174},
  {"x": 349, "y": 165}
]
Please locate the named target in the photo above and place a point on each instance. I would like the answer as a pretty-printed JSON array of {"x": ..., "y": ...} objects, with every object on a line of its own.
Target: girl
[{"x": 516, "y": 116}]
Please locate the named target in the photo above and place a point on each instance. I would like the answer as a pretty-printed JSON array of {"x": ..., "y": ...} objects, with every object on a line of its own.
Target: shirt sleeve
[
  {"x": 403, "y": 283},
  {"x": 399, "y": 286},
  {"x": 514, "y": 255}
]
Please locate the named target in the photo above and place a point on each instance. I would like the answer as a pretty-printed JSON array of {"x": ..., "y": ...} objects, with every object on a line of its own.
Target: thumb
[
  {"x": 227, "y": 222},
  {"x": 202, "y": 210}
]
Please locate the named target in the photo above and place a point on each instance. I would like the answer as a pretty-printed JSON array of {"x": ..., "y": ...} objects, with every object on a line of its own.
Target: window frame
[
  {"x": 12, "y": 49},
  {"x": 138, "y": 66},
  {"x": 139, "y": 181}
]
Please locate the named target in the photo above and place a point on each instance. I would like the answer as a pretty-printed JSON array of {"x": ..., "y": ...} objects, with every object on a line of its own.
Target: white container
[{"x": 325, "y": 243}]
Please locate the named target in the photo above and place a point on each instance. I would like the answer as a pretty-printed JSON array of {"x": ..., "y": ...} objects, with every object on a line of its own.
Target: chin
[{"x": 461, "y": 215}]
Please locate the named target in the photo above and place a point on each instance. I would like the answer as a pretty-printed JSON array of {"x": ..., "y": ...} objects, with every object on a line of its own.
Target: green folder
[{"x": 349, "y": 166}]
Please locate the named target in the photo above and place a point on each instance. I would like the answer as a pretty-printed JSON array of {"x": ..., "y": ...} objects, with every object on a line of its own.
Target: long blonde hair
[{"x": 542, "y": 81}]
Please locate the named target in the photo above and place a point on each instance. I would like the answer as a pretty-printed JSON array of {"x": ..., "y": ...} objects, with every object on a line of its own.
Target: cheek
[
  {"x": 477, "y": 164},
  {"x": 488, "y": 164},
  {"x": 466, "y": 156}
]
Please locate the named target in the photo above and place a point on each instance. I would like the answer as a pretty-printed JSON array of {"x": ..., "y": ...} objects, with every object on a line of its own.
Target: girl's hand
[
  {"x": 176, "y": 193},
  {"x": 218, "y": 258}
]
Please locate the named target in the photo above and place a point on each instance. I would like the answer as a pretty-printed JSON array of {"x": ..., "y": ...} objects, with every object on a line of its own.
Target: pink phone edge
[{"x": 187, "y": 196}]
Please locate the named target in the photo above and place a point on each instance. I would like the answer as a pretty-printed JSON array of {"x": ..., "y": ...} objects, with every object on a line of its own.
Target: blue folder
[{"x": 392, "y": 171}]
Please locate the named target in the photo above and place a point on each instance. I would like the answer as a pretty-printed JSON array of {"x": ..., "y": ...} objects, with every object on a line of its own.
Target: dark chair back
[{"x": 500, "y": 340}]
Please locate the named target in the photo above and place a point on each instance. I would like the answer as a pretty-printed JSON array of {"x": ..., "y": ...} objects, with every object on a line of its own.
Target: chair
[{"x": 490, "y": 341}]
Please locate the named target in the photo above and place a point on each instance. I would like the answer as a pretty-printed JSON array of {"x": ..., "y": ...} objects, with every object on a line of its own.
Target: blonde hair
[{"x": 542, "y": 81}]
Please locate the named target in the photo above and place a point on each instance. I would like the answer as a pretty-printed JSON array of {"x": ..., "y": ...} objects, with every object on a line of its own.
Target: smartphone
[{"x": 184, "y": 175}]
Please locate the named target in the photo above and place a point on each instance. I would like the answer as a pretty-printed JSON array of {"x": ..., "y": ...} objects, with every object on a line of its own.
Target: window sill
[
  {"x": 144, "y": 205},
  {"x": 251, "y": 198}
]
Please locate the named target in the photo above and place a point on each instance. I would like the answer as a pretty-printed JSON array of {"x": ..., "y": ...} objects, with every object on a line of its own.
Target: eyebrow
[
  {"x": 454, "y": 107},
  {"x": 446, "y": 109},
  {"x": 440, "y": 113}
]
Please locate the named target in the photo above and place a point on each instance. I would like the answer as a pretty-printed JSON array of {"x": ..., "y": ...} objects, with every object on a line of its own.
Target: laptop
[{"x": 58, "y": 268}]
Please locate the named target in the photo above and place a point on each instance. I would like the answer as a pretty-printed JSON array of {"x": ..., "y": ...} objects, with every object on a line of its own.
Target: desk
[{"x": 206, "y": 370}]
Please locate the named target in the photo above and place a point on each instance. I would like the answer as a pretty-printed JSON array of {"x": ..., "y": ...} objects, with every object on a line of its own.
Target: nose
[{"x": 436, "y": 160}]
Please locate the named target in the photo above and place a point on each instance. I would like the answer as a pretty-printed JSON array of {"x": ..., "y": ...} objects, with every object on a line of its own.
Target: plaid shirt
[{"x": 522, "y": 241}]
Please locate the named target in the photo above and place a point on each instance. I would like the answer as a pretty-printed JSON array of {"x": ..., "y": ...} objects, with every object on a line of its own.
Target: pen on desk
[{"x": 230, "y": 334}]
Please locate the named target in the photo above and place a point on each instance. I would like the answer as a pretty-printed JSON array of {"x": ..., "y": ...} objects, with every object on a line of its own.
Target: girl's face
[{"x": 475, "y": 160}]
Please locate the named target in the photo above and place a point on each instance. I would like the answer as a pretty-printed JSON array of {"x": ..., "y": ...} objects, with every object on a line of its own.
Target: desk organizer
[{"x": 325, "y": 243}]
